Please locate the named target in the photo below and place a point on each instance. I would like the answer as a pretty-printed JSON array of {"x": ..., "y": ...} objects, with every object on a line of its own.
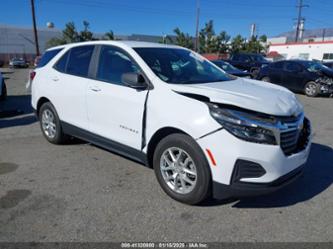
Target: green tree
[
  {"x": 70, "y": 34},
  {"x": 208, "y": 41},
  {"x": 109, "y": 35},
  {"x": 254, "y": 45},
  {"x": 54, "y": 42},
  {"x": 238, "y": 44},
  {"x": 223, "y": 42},
  {"x": 86, "y": 34},
  {"x": 182, "y": 39}
]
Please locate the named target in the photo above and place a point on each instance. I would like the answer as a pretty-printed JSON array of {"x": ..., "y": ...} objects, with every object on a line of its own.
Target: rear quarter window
[
  {"x": 62, "y": 63},
  {"x": 47, "y": 56}
]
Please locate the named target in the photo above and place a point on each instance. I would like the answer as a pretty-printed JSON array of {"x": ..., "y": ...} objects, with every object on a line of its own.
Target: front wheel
[
  {"x": 312, "y": 89},
  {"x": 182, "y": 169}
]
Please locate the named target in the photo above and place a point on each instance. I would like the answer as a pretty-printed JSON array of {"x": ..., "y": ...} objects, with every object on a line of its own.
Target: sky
[{"x": 160, "y": 17}]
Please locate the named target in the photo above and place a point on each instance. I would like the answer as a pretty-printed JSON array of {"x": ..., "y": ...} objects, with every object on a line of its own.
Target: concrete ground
[{"x": 80, "y": 192}]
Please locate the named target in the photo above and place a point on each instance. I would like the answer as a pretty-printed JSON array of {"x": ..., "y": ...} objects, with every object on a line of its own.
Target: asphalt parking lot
[{"x": 80, "y": 192}]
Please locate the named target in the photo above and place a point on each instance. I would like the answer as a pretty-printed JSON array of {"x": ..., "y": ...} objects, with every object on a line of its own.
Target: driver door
[{"x": 115, "y": 111}]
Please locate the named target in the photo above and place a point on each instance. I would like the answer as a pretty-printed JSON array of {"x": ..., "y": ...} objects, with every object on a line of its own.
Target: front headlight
[{"x": 242, "y": 125}]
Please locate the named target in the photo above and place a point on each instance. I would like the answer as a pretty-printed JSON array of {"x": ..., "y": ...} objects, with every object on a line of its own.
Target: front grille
[{"x": 295, "y": 137}]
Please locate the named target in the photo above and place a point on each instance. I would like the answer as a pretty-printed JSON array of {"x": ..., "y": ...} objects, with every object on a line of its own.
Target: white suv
[{"x": 204, "y": 132}]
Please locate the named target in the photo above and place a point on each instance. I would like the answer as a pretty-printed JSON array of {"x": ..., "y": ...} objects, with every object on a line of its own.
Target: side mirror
[{"x": 134, "y": 80}]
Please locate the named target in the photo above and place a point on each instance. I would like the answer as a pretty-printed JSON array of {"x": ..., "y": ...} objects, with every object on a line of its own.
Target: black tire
[
  {"x": 254, "y": 72},
  {"x": 3, "y": 92},
  {"x": 59, "y": 137},
  {"x": 266, "y": 79},
  {"x": 202, "y": 187},
  {"x": 311, "y": 89}
]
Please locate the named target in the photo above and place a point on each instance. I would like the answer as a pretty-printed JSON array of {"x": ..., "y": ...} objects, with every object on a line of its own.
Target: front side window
[
  {"x": 79, "y": 60},
  {"x": 180, "y": 66},
  {"x": 113, "y": 63}
]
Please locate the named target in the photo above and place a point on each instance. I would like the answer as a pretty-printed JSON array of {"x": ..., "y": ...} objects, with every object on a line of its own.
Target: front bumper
[
  {"x": 279, "y": 169},
  {"x": 243, "y": 189}
]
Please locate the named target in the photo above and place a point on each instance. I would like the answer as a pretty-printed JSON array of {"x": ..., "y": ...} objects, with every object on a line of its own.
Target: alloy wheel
[
  {"x": 311, "y": 89},
  {"x": 178, "y": 170},
  {"x": 48, "y": 123}
]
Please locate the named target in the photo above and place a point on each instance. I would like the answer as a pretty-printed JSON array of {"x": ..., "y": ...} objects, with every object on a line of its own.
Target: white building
[{"x": 314, "y": 50}]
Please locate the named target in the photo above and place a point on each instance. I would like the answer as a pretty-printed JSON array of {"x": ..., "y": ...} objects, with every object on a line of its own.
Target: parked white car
[
  {"x": 3, "y": 88},
  {"x": 204, "y": 132}
]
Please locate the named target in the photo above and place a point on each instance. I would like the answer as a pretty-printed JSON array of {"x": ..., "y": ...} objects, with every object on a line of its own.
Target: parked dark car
[
  {"x": 18, "y": 63},
  {"x": 3, "y": 88},
  {"x": 230, "y": 69},
  {"x": 1, "y": 63},
  {"x": 309, "y": 77},
  {"x": 328, "y": 64},
  {"x": 249, "y": 62}
]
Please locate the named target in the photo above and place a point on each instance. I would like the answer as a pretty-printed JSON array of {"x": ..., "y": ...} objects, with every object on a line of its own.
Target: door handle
[
  {"x": 95, "y": 88},
  {"x": 55, "y": 78}
]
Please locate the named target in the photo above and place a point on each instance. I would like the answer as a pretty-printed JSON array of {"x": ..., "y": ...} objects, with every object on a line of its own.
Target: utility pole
[
  {"x": 196, "y": 47},
  {"x": 324, "y": 31},
  {"x": 300, "y": 6},
  {"x": 34, "y": 26}
]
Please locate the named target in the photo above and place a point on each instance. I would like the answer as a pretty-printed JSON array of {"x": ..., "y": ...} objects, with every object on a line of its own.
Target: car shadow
[
  {"x": 317, "y": 177},
  {"x": 16, "y": 111}
]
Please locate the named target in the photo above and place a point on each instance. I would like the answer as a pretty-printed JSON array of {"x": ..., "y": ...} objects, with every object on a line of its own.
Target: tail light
[{"x": 32, "y": 75}]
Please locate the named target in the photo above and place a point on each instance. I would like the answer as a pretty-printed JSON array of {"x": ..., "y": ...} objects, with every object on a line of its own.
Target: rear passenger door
[
  {"x": 70, "y": 79},
  {"x": 115, "y": 111}
]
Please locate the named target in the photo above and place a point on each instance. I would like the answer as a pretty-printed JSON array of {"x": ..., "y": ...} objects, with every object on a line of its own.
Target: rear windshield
[{"x": 47, "y": 56}]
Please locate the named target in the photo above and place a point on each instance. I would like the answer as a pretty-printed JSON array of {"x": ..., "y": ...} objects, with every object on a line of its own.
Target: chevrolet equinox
[{"x": 204, "y": 132}]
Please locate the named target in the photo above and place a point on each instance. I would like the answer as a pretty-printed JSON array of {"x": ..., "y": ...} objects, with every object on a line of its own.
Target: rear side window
[
  {"x": 47, "y": 56},
  {"x": 79, "y": 60}
]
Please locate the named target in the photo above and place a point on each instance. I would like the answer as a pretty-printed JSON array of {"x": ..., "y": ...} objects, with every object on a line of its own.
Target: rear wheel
[
  {"x": 182, "y": 169},
  {"x": 266, "y": 79},
  {"x": 312, "y": 89},
  {"x": 3, "y": 91},
  {"x": 50, "y": 124}
]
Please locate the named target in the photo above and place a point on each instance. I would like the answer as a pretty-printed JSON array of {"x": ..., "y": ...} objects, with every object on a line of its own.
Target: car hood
[
  {"x": 327, "y": 72},
  {"x": 248, "y": 94}
]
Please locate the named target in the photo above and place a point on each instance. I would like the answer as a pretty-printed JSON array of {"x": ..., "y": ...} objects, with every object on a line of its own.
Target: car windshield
[
  {"x": 226, "y": 66},
  {"x": 314, "y": 67},
  {"x": 181, "y": 66}
]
